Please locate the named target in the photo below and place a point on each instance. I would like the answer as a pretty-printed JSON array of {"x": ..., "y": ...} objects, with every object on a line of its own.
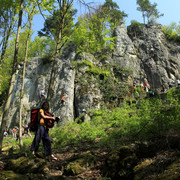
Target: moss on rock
[
  {"x": 172, "y": 172},
  {"x": 120, "y": 163},
  {"x": 12, "y": 176},
  {"x": 25, "y": 165},
  {"x": 80, "y": 164}
]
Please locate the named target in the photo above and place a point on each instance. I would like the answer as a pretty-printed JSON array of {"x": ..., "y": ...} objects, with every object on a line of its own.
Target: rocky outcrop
[
  {"x": 132, "y": 51},
  {"x": 151, "y": 56},
  {"x": 37, "y": 79}
]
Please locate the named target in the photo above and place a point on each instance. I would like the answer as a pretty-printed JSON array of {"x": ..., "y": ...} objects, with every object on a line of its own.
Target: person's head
[{"x": 45, "y": 105}]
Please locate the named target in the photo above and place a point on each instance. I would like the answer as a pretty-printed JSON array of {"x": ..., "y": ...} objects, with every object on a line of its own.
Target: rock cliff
[{"x": 146, "y": 51}]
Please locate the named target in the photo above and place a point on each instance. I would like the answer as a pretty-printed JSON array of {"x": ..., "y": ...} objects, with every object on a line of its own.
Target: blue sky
[{"x": 170, "y": 8}]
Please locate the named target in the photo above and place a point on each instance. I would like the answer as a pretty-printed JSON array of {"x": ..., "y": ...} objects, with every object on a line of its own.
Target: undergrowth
[{"x": 148, "y": 118}]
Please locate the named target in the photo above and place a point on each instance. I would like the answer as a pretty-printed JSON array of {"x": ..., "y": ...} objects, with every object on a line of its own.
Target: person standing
[
  {"x": 42, "y": 133},
  {"x": 146, "y": 87},
  {"x": 14, "y": 133}
]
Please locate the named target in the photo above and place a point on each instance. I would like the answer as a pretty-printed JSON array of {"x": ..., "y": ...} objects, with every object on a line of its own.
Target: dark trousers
[{"x": 42, "y": 134}]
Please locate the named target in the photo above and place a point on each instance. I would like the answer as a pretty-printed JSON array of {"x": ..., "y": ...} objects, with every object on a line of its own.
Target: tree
[
  {"x": 7, "y": 18},
  {"x": 31, "y": 10},
  {"x": 94, "y": 30},
  {"x": 152, "y": 13},
  {"x": 148, "y": 10},
  {"x": 7, "y": 104},
  {"x": 63, "y": 12},
  {"x": 41, "y": 46},
  {"x": 111, "y": 9},
  {"x": 52, "y": 26},
  {"x": 172, "y": 32}
]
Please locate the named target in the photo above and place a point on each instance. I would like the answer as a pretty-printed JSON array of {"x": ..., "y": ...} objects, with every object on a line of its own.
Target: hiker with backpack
[{"x": 42, "y": 133}]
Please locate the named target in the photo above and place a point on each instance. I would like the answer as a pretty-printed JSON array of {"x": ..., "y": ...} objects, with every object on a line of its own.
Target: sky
[{"x": 170, "y": 9}]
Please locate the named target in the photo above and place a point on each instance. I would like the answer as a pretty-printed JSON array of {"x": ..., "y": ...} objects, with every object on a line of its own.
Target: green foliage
[
  {"x": 5, "y": 76},
  {"x": 172, "y": 32},
  {"x": 149, "y": 118},
  {"x": 148, "y": 10},
  {"x": 92, "y": 70},
  {"x": 113, "y": 90},
  {"x": 93, "y": 32},
  {"x": 78, "y": 64},
  {"x": 53, "y": 23},
  {"x": 135, "y": 25},
  {"x": 10, "y": 144},
  {"x": 121, "y": 73},
  {"x": 42, "y": 47},
  {"x": 111, "y": 9},
  {"x": 60, "y": 25},
  {"x": 97, "y": 71}
]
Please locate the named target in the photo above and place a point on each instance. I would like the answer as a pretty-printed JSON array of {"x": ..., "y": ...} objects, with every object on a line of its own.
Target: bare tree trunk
[
  {"x": 144, "y": 17},
  {"x": 22, "y": 87},
  {"x": 8, "y": 101}
]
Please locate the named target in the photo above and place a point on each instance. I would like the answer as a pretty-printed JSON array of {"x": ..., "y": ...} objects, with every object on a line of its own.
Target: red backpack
[{"x": 33, "y": 125}]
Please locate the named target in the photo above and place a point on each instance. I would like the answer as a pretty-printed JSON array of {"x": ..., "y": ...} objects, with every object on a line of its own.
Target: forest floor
[{"x": 163, "y": 165}]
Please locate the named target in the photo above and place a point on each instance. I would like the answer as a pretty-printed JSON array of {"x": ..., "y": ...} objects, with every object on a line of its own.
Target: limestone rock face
[
  {"x": 152, "y": 58},
  {"x": 37, "y": 79},
  {"x": 133, "y": 50}
]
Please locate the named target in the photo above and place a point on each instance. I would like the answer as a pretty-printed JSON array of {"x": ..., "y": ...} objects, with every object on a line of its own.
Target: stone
[{"x": 131, "y": 52}]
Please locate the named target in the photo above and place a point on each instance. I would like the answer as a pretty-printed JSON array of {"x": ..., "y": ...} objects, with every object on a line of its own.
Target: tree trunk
[
  {"x": 58, "y": 48},
  {"x": 54, "y": 67},
  {"x": 6, "y": 39},
  {"x": 144, "y": 17},
  {"x": 8, "y": 101},
  {"x": 22, "y": 88},
  {"x": 64, "y": 6}
]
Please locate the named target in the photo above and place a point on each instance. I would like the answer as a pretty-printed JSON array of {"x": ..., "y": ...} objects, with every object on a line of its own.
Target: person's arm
[{"x": 46, "y": 117}]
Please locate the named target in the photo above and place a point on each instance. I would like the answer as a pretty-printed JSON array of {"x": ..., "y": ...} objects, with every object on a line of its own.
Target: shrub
[
  {"x": 82, "y": 63},
  {"x": 97, "y": 71},
  {"x": 171, "y": 33},
  {"x": 148, "y": 119}
]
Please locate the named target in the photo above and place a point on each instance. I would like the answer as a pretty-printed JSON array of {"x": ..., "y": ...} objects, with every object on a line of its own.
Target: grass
[{"x": 149, "y": 118}]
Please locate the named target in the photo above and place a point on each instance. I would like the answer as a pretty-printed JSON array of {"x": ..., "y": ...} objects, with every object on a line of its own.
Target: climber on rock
[
  {"x": 42, "y": 95},
  {"x": 152, "y": 51},
  {"x": 64, "y": 96}
]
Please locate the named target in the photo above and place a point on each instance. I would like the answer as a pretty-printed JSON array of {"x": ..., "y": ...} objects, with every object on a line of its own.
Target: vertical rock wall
[{"x": 132, "y": 51}]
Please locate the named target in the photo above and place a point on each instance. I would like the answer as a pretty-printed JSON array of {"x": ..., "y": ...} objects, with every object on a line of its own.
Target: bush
[
  {"x": 171, "y": 33},
  {"x": 148, "y": 119},
  {"x": 82, "y": 63}
]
